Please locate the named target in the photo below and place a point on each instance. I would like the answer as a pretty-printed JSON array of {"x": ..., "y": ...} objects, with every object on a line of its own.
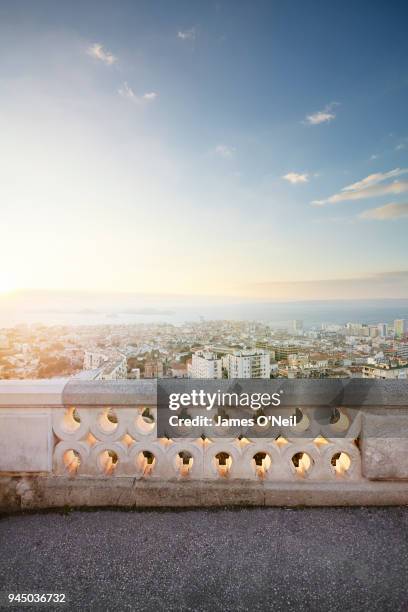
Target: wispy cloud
[
  {"x": 224, "y": 151},
  {"x": 127, "y": 92},
  {"x": 295, "y": 177},
  {"x": 323, "y": 116},
  {"x": 370, "y": 187},
  {"x": 98, "y": 52},
  {"x": 374, "y": 156},
  {"x": 386, "y": 212},
  {"x": 400, "y": 146},
  {"x": 187, "y": 34},
  {"x": 373, "y": 179}
]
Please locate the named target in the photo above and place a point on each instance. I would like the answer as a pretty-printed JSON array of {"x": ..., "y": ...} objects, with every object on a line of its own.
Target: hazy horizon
[{"x": 93, "y": 308}]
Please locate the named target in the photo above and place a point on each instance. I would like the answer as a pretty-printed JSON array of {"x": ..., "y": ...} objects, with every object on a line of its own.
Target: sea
[{"x": 277, "y": 314}]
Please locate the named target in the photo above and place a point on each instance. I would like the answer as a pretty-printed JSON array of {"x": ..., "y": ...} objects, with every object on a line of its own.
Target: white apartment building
[
  {"x": 253, "y": 363},
  {"x": 205, "y": 364}
]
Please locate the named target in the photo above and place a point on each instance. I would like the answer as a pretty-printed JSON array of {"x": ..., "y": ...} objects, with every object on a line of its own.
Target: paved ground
[{"x": 249, "y": 559}]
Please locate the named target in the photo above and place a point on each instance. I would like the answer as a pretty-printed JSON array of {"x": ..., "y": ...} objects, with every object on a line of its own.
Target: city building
[
  {"x": 385, "y": 372},
  {"x": 401, "y": 350},
  {"x": 178, "y": 370},
  {"x": 382, "y": 329},
  {"x": 373, "y": 331},
  {"x": 153, "y": 369},
  {"x": 205, "y": 364},
  {"x": 113, "y": 370},
  {"x": 253, "y": 363},
  {"x": 93, "y": 360},
  {"x": 134, "y": 373},
  {"x": 400, "y": 328}
]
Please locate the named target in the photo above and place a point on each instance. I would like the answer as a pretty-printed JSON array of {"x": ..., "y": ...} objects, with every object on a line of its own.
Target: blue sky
[{"x": 214, "y": 148}]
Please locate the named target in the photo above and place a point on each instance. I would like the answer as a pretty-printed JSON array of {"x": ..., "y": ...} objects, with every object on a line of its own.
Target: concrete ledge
[
  {"x": 110, "y": 393},
  {"x": 45, "y": 492},
  {"x": 32, "y": 392},
  {"x": 350, "y": 392}
]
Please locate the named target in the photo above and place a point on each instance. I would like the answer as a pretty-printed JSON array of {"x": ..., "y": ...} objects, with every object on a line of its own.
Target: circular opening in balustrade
[
  {"x": 302, "y": 420},
  {"x": 223, "y": 462},
  {"x": 302, "y": 463},
  {"x": 108, "y": 461},
  {"x": 71, "y": 420},
  {"x": 145, "y": 421},
  {"x": 184, "y": 462},
  {"x": 341, "y": 463},
  {"x": 108, "y": 421},
  {"x": 339, "y": 421},
  {"x": 262, "y": 463},
  {"x": 72, "y": 461},
  {"x": 145, "y": 462}
]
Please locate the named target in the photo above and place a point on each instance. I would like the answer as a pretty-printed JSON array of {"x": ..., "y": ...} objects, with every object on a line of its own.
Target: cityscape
[
  {"x": 207, "y": 349},
  {"x": 204, "y": 305}
]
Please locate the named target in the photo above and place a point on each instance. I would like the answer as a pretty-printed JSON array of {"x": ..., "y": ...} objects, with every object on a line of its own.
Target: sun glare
[{"x": 6, "y": 285}]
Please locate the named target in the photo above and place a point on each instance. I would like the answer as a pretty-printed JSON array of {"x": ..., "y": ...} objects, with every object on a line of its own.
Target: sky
[{"x": 254, "y": 150}]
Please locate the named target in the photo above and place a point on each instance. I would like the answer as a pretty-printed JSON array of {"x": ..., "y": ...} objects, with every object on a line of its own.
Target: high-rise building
[
  {"x": 400, "y": 328},
  {"x": 205, "y": 364},
  {"x": 297, "y": 326},
  {"x": 254, "y": 363},
  {"x": 373, "y": 331},
  {"x": 355, "y": 329},
  {"x": 382, "y": 329}
]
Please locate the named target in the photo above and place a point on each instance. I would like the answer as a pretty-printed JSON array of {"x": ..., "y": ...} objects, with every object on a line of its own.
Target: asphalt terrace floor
[{"x": 247, "y": 559}]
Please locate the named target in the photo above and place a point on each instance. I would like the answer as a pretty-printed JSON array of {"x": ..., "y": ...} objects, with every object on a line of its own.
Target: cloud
[
  {"x": 127, "y": 92},
  {"x": 369, "y": 187},
  {"x": 224, "y": 151},
  {"x": 373, "y": 179},
  {"x": 187, "y": 34},
  {"x": 323, "y": 116},
  {"x": 400, "y": 146},
  {"x": 294, "y": 177},
  {"x": 98, "y": 52},
  {"x": 386, "y": 212},
  {"x": 374, "y": 156}
]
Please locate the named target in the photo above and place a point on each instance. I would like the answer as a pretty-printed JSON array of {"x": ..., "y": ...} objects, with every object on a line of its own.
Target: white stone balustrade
[{"x": 73, "y": 432}]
